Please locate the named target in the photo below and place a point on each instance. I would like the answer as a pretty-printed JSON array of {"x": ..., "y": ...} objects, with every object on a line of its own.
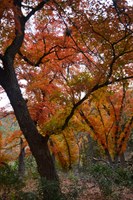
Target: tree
[
  {"x": 9, "y": 134},
  {"x": 99, "y": 39},
  {"x": 110, "y": 121},
  {"x": 8, "y": 80}
]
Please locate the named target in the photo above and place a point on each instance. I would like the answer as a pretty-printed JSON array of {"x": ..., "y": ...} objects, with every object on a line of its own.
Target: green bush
[
  {"x": 26, "y": 196},
  {"x": 9, "y": 177},
  {"x": 49, "y": 190},
  {"x": 123, "y": 177},
  {"x": 10, "y": 182},
  {"x": 109, "y": 177},
  {"x": 31, "y": 167}
]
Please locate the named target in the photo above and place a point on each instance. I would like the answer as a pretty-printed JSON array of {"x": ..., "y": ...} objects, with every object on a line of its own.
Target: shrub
[
  {"x": 109, "y": 177},
  {"x": 26, "y": 196},
  {"x": 9, "y": 181},
  {"x": 49, "y": 190}
]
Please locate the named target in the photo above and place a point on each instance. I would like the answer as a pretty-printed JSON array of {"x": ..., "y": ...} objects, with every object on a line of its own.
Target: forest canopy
[{"x": 67, "y": 70}]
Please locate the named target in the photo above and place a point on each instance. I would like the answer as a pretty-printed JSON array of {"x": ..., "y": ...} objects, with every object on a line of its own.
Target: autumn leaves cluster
[{"x": 81, "y": 82}]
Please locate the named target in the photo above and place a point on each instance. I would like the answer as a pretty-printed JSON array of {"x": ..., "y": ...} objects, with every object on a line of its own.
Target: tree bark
[
  {"x": 109, "y": 157},
  {"x": 37, "y": 143},
  {"x": 122, "y": 160},
  {"x": 21, "y": 163},
  {"x": 116, "y": 159},
  {"x": 90, "y": 151}
]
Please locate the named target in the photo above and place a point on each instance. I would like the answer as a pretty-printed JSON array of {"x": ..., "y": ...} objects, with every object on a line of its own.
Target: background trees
[
  {"x": 64, "y": 51},
  {"x": 109, "y": 118}
]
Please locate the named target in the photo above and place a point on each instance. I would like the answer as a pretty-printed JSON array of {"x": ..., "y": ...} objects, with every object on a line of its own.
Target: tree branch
[
  {"x": 2, "y": 74},
  {"x": 37, "y": 8},
  {"x": 50, "y": 51},
  {"x": 95, "y": 88},
  {"x": 13, "y": 48},
  {"x": 1, "y": 56}
]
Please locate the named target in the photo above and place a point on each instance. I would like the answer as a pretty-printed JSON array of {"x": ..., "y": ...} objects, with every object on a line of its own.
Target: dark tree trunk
[
  {"x": 116, "y": 159},
  {"x": 37, "y": 143},
  {"x": 8, "y": 80},
  {"x": 69, "y": 153},
  {"x": 21, "y": 163},
  {"x": 90, "y": 151},
  {"x": 122, "y": 160},
  {"x": 53, "y": 154},
  {"x": 109, "y": 157}
]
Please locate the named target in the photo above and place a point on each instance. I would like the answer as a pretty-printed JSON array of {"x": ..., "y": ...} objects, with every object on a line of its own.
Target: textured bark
[
  {"x": 122, "y": 160},
  {"x": 38, "y": 143},
  {"x": 90, "y": 150},
  {"x": 108, "y": 156},
  {"x": 21, "y": 163}
]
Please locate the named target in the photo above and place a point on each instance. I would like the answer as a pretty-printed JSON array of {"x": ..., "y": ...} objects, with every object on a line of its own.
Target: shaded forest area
[{"x": 67, "y": 70}]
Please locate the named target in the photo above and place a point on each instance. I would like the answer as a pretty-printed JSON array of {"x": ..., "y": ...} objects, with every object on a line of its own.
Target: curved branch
[
  {"x": 50, "y": 51},
  {"x": 37, "y": 8},
  {"x": 95, "y": 88}
]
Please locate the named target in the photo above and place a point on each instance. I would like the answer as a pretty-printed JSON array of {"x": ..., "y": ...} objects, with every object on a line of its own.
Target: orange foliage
[
  {"x": 10, "y": 140},
  {"x": 110, "y": 120},
  {"x": 62, "y": 70}
]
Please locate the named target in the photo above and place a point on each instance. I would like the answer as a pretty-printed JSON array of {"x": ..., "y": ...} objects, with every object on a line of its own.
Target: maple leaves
[
  {"x": 10, "y": 140},
  {"x": 109, "y": 120},
  {"x": 62, "y": 70},
  {"x": 5, "y": 4},
  {"x": 7, "y": 139},
  {"x": 69, "y": 69}
]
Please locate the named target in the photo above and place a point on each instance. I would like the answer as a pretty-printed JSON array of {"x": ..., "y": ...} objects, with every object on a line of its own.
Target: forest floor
[
  {"x": 74, "y": 185},
  {"x": 85, "y": 188}
]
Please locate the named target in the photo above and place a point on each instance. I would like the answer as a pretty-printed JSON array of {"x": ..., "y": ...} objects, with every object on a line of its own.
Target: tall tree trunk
[
  {"x": 21, "y": 163},
  {"x": 122, "y": 160},
  {"x": 116, "y": 159},
  {"x": 69, "y": 153},
  {"x": 109, "y": 157},
  {"x": 90, "y": 151},
  {"x": 37, "y": 143},
  {"x": 53, "y": 153},
  {"x": 8, "y": 80}
]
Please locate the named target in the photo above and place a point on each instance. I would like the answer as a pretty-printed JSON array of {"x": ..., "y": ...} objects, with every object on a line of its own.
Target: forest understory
[{"x": 98, "y": 182}]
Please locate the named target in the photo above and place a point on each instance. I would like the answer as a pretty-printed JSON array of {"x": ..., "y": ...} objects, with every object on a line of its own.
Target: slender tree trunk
[
  {"x": 53, "y": 154},
  {"x": 116, "y": 159},
  {"x": 122, "y": 160},
  {"x": 69, "y": 153},
  {"x": 90, "y": 151},
  {"x": 21, "y": 163},
  {"x": 109, "y": 157}
]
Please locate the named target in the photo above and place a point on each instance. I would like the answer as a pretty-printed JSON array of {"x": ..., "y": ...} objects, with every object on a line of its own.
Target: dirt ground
[
  {"x": 83, "y": 188},
  {"x": 87, "y": 189}
]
